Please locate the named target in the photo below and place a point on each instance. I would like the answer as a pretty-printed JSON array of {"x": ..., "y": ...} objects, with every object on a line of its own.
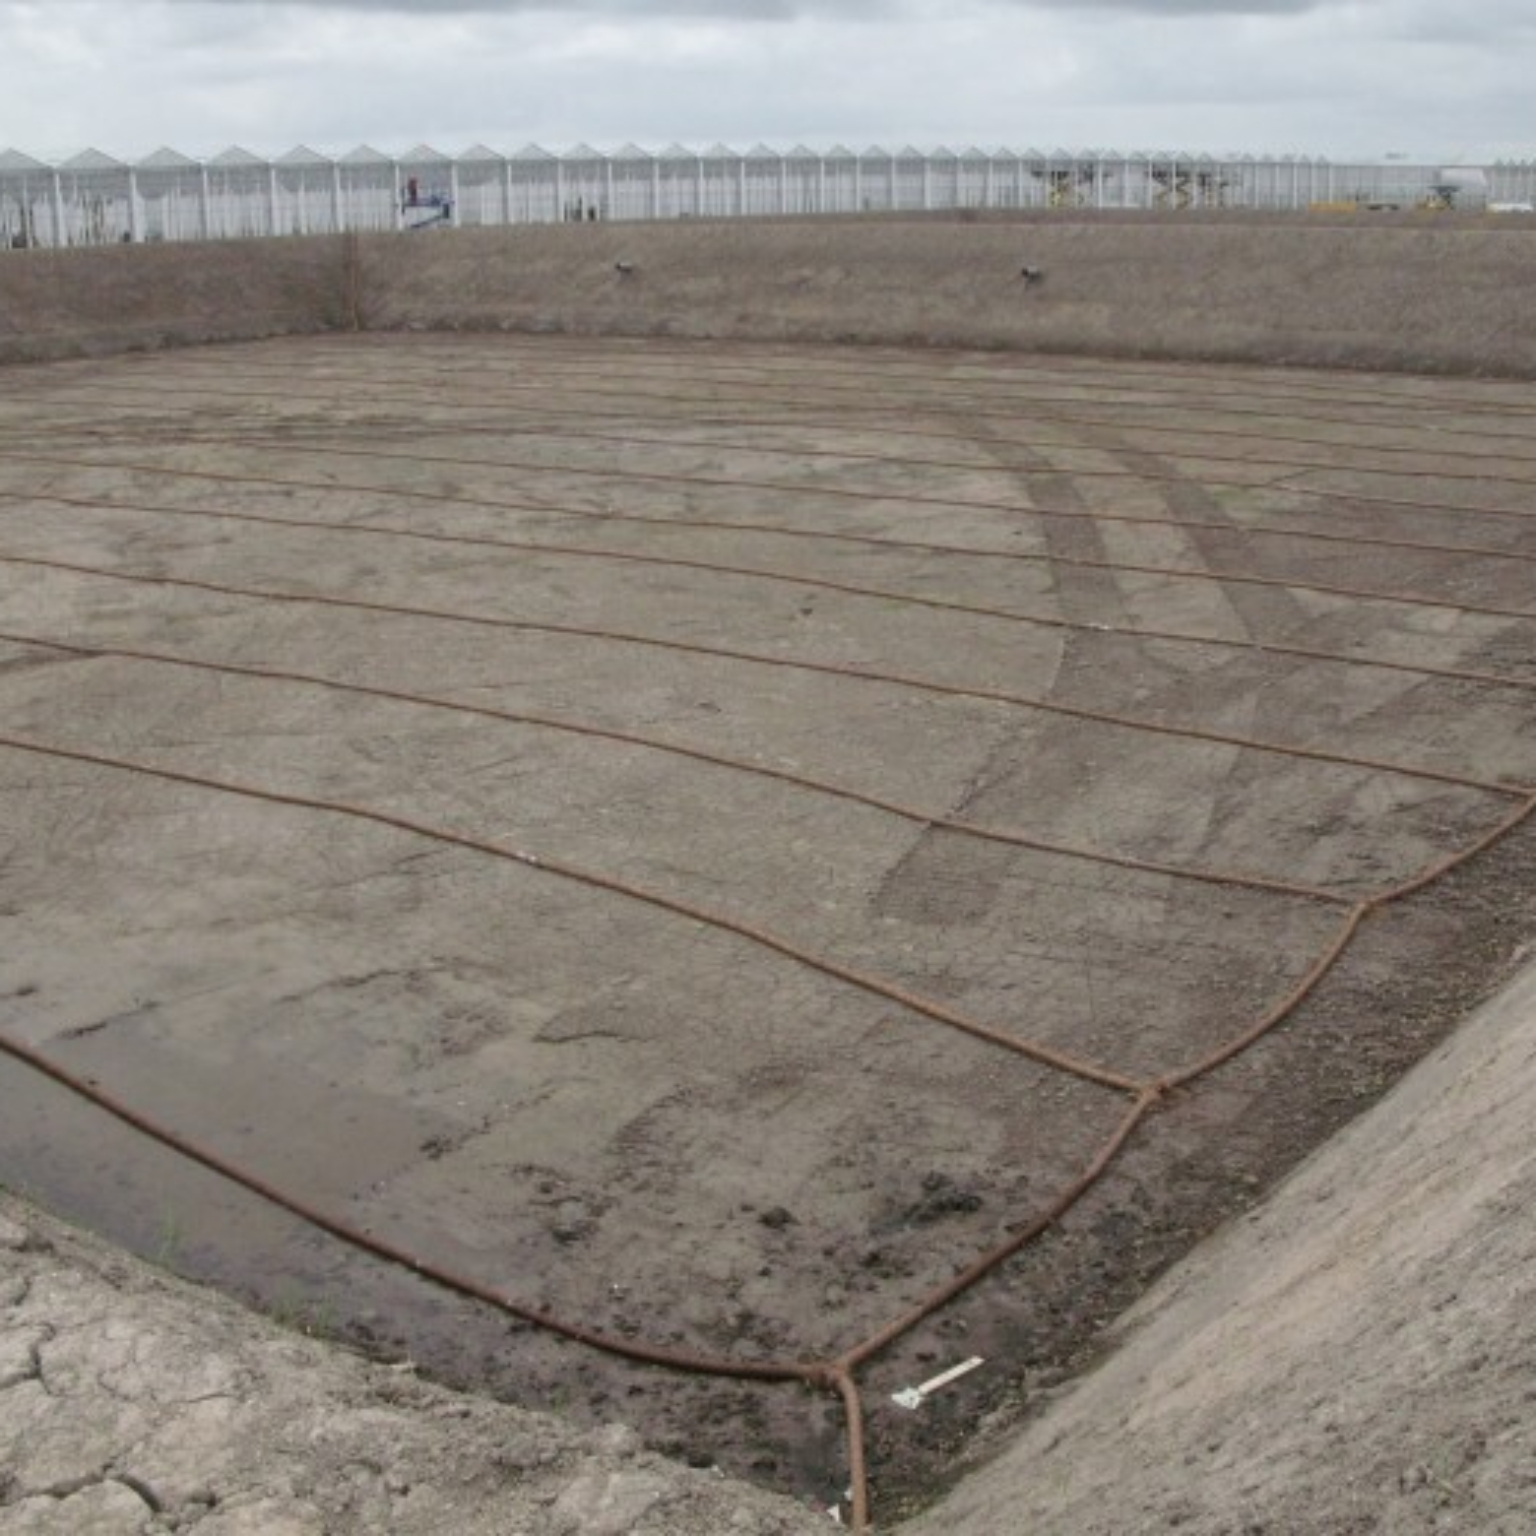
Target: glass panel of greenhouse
[
  {"x": 305, "y": 193},
  {"x": 877, "y": 180},
  {"x": 95, "y": 199},
  {"x": 240, "y": 196},
  {"x": 481, "y": 195},
  {"x": 369, "y": 189},
  {"x": 29, "y": 211},
  {"x": 171, "y": 197},
  {"x": 842, "y": 192},
  {"x": 763, "y": 190},
  {"x": 584, "y": 179},
  {"x": 680, "y": 173},
  {"x": 909, "y": 177},
  {"x": 804, "y": 181},
  {"x": 973, "y": 179},
  {"x": 534, "y": 179},
  {"x": 634, "y": 181},
  {"x": 941, "y": 180}
]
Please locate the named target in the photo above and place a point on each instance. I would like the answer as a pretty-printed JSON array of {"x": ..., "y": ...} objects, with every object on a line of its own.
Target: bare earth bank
[{"x": 1357, "y": 1354}]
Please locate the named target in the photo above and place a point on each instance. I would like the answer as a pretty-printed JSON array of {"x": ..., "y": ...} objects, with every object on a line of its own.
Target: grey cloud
[
  {"x": 1183, "y": 9},
  {"x": 722, "y": 10},
  {"x": 788, "y": 10},
  {"x": 1321, "y": 76}
]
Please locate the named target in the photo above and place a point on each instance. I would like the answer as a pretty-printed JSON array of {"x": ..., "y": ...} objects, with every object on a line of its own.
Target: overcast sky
[{"x": 1335, "y": 77}]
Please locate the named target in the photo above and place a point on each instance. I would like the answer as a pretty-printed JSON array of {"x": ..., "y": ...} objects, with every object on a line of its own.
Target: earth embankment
[
  {"x": 1354, "y": 1355},
  {"x": 1429, "y": 293}
]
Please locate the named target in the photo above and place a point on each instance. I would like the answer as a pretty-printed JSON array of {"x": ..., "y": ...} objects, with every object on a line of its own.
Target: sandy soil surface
[{"x": 759, "y": 823}]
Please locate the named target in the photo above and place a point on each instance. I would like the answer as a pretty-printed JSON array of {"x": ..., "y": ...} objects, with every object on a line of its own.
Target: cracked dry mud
[{"x": 131, "y": 1405}]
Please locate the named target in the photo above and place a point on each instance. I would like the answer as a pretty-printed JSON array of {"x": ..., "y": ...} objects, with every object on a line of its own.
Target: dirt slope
[
  {"x": 1437, "y": 294},
  {"x": 1355, "y": 1355}
]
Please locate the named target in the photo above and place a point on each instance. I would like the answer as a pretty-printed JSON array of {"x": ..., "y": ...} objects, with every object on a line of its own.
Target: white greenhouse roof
[
  {"x": 93, "y": 160},
  {"x": 234, "y": 156},
  {"x": 165, "y": 159},
  {"x": 424, "y": 154}
]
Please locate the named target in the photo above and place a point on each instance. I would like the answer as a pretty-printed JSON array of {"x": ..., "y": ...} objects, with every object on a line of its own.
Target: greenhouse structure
[{"x": 96, "y": 199}]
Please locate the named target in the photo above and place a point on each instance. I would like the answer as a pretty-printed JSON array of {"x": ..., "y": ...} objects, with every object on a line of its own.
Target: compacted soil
[{"x": 706, "y": 843}]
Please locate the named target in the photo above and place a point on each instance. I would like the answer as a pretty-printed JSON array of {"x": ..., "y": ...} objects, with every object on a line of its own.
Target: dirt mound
[
  {"x": 1443, "y": 294},
  {"x": 1356, "y": 1355}
]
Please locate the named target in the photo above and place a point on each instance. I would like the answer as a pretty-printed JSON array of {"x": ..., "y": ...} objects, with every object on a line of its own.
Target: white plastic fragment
[{"x": 913, "y": 1397}]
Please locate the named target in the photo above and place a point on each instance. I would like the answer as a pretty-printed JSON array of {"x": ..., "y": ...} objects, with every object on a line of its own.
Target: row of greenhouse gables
[{"x": 94, "y": 199}]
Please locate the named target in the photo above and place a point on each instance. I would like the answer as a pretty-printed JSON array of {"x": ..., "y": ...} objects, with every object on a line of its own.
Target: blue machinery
[{"x": 424, "y": 210}]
